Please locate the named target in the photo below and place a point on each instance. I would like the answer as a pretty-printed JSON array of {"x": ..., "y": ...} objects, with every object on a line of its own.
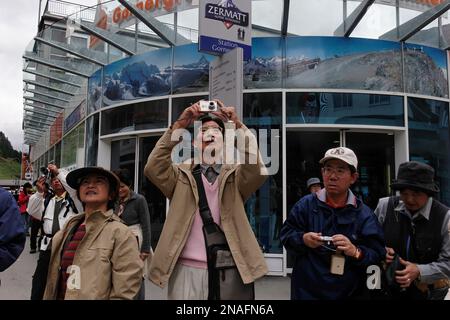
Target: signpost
[
  {"x": 225, "y": 25},
  {"x": 226, "y": 79}
]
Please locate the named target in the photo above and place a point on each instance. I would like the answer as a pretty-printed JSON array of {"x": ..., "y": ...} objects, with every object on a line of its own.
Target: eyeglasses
[
  {"x": 339, "y": 171},
  {"x": 213, "y": 129}
]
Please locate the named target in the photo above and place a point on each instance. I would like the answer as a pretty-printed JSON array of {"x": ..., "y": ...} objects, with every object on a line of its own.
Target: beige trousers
[{"x": 187, "y": 283}]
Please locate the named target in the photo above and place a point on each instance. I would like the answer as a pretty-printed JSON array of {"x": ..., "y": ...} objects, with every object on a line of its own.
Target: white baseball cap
[{"x": 341, "y": 153}]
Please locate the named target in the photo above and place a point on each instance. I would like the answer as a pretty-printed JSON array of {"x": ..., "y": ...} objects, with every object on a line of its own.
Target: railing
[
  {"x": 77, "y": 11},
  {"x": 64, "y": 9}
]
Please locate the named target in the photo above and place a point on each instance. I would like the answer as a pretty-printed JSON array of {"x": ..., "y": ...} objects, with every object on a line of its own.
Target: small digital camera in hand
[
  {"x": 208, "y": 106},
  {"x": 326, "y": 238},
  {"x": 45, "y": 173}
]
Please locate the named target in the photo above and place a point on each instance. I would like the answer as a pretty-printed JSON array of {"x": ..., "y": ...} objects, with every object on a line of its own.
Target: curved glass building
[{"x": 102, "y": 84}]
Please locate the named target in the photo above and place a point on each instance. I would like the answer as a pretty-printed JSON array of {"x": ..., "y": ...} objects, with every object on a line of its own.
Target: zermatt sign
[{"x": 225, "y": 25}]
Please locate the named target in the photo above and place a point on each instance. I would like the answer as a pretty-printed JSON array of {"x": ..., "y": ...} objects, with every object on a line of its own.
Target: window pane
[
  {"x": 345, "y": 108},
  {"x": 179, "y": 104},
  {"x": 123, "y": 156},
  {"x": 262, "y": 112},
  {"x": 73, "y": 148},
  {"x": 429, "y": 139},
  {"x": 92, "y": 134},
  {"x": 425, "y": 70},
  {"x": 155, "y": 199},
  {"x": 136, "y": 116}
]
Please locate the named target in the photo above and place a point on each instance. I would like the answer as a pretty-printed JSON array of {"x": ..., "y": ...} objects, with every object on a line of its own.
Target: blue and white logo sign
[{"x": 225, "y": 25}]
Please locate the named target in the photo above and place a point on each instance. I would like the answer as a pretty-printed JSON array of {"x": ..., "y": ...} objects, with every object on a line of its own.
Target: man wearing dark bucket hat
[
  {"x": 416, "y": 228},
  {"x": 95, "y": 255}
]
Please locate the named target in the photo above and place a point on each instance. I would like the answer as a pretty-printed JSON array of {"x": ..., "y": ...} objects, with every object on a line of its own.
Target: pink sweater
[{"x": 194, "y": 251}]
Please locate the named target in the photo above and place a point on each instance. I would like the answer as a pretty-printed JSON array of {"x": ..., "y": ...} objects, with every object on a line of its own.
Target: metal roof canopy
[
  {"x": 74, "y": 51},
  {"x": 38, "y": 115},
  {"x": 165, "y": 33},
  {"x": 37, "y": 84},
  {"x": 47, "y": 101},
  {"x": 120, "y": 42},
  {"x": 411, "y": 27},
  {"x": 350, "y": 22},
  {"x": 52, "y": 77},
  {"x": 40, "y": 108},
  {"x": 54, "y": 64},
  {"x": 45, "y": 94},
  {"x": 44, "y": 103},
  {"x": 38, "y": 121}
]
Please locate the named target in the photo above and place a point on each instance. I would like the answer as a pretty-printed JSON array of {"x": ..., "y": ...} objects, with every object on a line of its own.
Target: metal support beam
[
  {"x": 108, "y": 37},
  {"x": 44, "y": 102},
  {"x": 350, "y": 23},
  {"x": 411, "y": 27},
  {"x": 37, "y": 84},
  {"x": 40, "y": 108},
  {"x": 38, "y": 123},
  {"x": 40, "y": 74},
  {"x": 39, "y": 119},
  {"x": 164, "y": 32},
  {"x": 53, "y": 64},
  {"x": 45, "y": 95},
  {"x": 41, "y": 113},
  {"x": 33, "y": 131},
  {"x": 47, "y": 101},
  {"x": 38, "y": 115},
  {"x": 71, "y": 49},
  {"x": 285, "y": 21}
]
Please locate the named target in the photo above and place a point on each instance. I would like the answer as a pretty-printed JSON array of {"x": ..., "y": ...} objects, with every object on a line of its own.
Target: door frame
[{"x": 401, "y": 153}]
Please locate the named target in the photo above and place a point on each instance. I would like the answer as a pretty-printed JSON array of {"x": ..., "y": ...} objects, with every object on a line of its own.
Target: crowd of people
[{"x": 94, "y": 230}]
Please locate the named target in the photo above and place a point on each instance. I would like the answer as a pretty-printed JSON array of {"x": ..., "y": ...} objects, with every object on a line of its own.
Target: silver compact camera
[
  {"x": 326, "y": 238},
  {"x": 208, "y": 106}
]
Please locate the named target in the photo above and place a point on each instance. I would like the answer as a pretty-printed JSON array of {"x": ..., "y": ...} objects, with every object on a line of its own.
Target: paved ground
[{"x": 16, "y": 282}]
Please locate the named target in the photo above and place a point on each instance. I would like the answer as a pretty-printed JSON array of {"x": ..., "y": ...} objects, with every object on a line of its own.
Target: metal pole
[{"x": 39, "y": 14}]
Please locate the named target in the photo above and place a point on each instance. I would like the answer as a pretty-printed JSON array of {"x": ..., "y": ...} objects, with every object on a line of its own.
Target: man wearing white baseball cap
[{"x": 333, "y": 234}]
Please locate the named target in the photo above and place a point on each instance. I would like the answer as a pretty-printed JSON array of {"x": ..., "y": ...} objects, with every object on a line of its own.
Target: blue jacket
[
  {"x": 311, "y": 277},
  {"x": 12, "y": 232}
]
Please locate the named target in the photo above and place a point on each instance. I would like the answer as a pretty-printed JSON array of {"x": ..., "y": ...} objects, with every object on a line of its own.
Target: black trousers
[
  {"x": 40, "y": 275},
  {"x": 35, "y": 226}
]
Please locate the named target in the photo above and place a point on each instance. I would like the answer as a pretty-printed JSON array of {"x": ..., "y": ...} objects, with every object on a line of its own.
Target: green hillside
[{"x": 9, "y": 169}]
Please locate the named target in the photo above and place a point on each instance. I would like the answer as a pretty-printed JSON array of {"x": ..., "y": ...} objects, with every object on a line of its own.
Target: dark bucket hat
[
  {"x": 414, "y": 174},
  {"x": 74, "y": 177}
]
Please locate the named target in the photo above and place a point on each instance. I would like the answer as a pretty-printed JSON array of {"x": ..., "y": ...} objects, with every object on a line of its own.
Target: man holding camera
[
  {"x": 180, "y": 258},
  {"x": 333, "y": 235},
  {"x": 53, "y": 207},
  {"x": 417, "y": 231}
]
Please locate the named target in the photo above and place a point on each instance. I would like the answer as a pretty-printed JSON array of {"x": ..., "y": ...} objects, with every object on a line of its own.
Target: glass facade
[
  {"x": 262, "y": 112},
  {"x": 429, "y": 139},
  {"x": 344, "y": 108},
  {"x": 135, "y": 117},
  {"x": 92, "y": 134}
]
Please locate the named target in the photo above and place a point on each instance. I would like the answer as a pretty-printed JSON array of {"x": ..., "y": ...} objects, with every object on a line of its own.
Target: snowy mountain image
[
  {"x": 191, "y": 77},
  {"x": 423, "y": 76},
  {"x": 134, "y": 81},
  {"x": 369, "y": 71},
  {"x": 263, "y": 72}
]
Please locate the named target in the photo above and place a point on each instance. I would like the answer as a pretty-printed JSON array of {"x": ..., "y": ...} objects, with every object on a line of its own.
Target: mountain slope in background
[{"x": 9, "y": 159}]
